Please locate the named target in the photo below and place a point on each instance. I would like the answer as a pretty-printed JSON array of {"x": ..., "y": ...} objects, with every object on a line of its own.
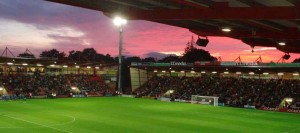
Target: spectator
[
  {"x": 37, "y": 84},
  {"x": 231, "y": 91}
]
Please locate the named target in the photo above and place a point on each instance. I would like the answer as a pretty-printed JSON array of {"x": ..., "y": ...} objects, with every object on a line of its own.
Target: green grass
[{"x": 119, "y": 115}]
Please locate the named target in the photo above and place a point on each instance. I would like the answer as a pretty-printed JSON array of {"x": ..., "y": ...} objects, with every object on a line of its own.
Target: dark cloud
[
  {"x": 46, "y": 15},
  {"x": 67, "y": 43},
  {"x": 43, "y": 13},
  {"x": 49, "y": 16}
]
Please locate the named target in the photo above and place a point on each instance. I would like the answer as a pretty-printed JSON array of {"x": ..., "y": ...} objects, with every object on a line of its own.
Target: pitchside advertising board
[
  {"x": 140, "y": 63},
  {"x": 195, "y": 64},
  {"x": 213, "y": 63},
  {"x": 232, "y": 63},
  {"x": 280, "y": 109},
  {"x": 145, "y": 64},
  {"x": 178, "y": 63}
]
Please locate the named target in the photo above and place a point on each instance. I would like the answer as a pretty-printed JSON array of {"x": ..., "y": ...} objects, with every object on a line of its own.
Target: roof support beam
[
  {"x": 188, "y": 3},
  {"x": 127, "y": 3},
  {"x": 216, "y": 13},
  {"x": 159, "y": 3},
  {"x": 238, "y": 34},
  {"x": 289, "y": 49},
  {"x": 80, "y": 3},
  {"x": 260, "y": 26},
  {"x": 251, "y": 3}
]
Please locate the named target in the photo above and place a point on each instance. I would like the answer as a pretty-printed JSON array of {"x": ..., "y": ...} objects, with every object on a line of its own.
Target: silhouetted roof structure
[{"x": 255, "y": 22}]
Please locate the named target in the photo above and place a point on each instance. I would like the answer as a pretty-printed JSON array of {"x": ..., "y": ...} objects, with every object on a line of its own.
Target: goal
[{"x": 209, "y": 100}]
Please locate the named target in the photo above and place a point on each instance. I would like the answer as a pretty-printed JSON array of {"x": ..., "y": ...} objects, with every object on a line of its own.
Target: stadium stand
[
  {"x": 231, "y": 91},
  {"x": 46, "y": 85}
]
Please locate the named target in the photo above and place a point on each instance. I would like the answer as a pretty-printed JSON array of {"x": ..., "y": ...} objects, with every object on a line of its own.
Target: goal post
[{"x": 209, "y": 100}]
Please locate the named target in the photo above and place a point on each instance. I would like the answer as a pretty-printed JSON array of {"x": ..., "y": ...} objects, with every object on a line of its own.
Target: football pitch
[{"x": 119, "y": 115}]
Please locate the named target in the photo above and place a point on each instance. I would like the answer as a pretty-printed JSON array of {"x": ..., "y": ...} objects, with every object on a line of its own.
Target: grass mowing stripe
[
  {"x": 128, "y": 115},
  {"x": 37, "y": 124},
  {"x": 292, "y": 130}
]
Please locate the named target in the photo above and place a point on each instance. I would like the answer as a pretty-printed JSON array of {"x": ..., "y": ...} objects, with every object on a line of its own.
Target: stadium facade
[
  {"x": 265, "y": 86},
  {"x": 143, "y": 71}
]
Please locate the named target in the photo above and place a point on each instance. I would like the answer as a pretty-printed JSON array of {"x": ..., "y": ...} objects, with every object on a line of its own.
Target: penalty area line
[
  {"x": 69, "y": 122},
  {"x": 37, "y": 124}
]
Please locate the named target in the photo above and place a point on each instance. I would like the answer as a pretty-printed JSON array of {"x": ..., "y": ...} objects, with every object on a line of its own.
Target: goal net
[{"x": 209, "y": 100}]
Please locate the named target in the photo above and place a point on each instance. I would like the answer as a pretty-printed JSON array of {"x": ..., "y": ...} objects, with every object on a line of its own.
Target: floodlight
[
  {"x": 88, "y": 67},
  {"x": 73, "y": 88},
  {"x": 282, "y": 43},
  {"x": 77, "y": 66},
  {"x": 155, "y": 71},
  {"x": 238, "y": 72},
  {"x": 65, "y": 66},
  {"x": 289, "y": 99},
  {"x": 181, "y": 71},
  {"x": 296, "y": 74},
  {"x": 265, "y": 73},
  {"x": 52, "y": 65},
  {"x": 280, "y": 74},
  {"x": 286, "y": 56},
  {"x": 163, "y": 71},
  {"x": 10, "y": 63},
  {"x": 1, "y": 88},
  {"x": 226, "y": 29},
  {"x": 192, "y": 71},
  {"x": 97, "y": 67},
  {"x": 214, "y": 72},
  {"x": 39, "y": 64},
  {"x": 251, "y": 73},
  {"x": 25, "y": 64},
  {"x": 202, "y": 42},
  {"x": 171, "y": 91},
  {"x": 118, "y": 21},
  {"x": 172, "y": 71},
  {"x": 203, "y": 72},
  {"x": 226, "y": 72}
]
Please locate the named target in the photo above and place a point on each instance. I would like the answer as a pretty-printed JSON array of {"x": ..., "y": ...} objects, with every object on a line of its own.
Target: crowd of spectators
[
  {"x": 231, "y": 91},
  {"x": 60, "y": 85}
]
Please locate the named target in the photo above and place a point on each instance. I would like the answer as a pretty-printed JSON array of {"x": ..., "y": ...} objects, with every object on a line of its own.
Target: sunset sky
[{"x": 39, "y": 25}]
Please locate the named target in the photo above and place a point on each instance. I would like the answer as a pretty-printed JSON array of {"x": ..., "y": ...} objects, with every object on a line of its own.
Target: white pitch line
[
  {"x": 69, "y": 122},
  {"x": 37, "y": 124},
  {"x": 12, "y": 127}
]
